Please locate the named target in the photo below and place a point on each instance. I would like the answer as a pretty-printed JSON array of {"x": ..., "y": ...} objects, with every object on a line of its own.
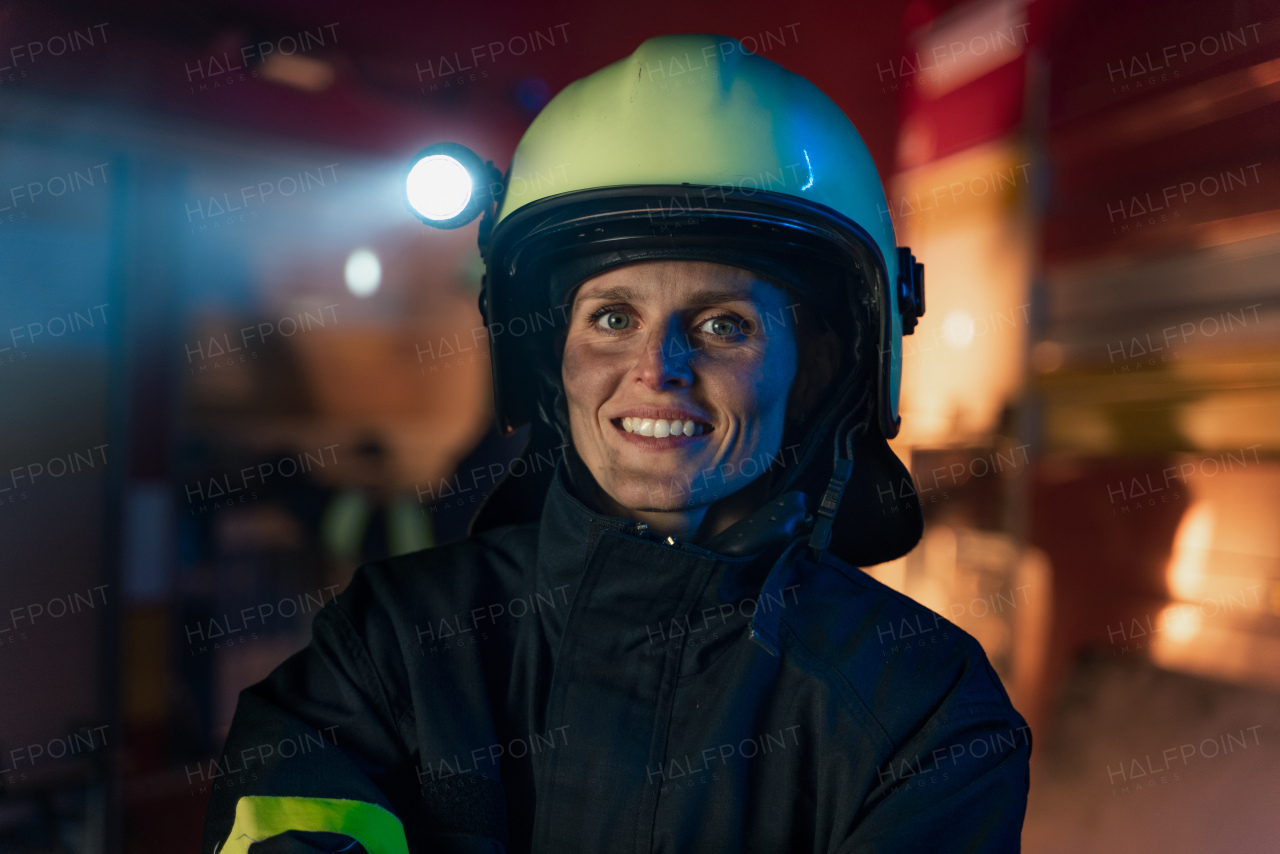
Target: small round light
[
  {"x": 447, "y": 185},
  {"x": 363, "y": 272},
  {"x": 439, "y": 187}
]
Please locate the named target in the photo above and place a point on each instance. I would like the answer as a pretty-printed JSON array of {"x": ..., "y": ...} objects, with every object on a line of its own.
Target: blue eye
[
  {"x": 614, "y": 320},
  {"x": 721, "y": 327}
]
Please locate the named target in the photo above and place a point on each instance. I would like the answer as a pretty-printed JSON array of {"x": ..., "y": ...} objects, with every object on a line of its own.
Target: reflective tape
[{"x": 259, "y": 817}]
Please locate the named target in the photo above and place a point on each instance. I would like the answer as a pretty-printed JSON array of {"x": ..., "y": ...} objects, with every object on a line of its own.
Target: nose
[{"x": 667, "y": 357}]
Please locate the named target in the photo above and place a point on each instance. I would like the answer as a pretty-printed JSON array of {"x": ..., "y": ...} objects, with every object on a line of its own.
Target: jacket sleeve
[
  {"x": 316, "y": 754},
  {"x": 959, "y": 783}
]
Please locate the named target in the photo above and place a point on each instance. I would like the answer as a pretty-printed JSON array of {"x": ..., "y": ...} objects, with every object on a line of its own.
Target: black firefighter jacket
[{"x": 579, "y": 685}]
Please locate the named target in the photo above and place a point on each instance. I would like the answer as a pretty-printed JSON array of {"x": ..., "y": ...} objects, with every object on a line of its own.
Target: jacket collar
[
  {"x": 749, "y": 552},
  {"x": 568, "y": 513}
]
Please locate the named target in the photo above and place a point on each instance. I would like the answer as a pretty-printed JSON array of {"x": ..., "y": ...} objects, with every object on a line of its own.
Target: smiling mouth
[{"x": 661, "y": 428}]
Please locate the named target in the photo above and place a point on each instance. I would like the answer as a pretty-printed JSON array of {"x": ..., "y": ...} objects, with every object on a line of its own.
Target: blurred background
[{"x": 233, "y": 367}]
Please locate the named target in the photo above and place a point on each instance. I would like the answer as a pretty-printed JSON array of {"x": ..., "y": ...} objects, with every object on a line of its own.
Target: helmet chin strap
[
  {"x": 820, "y": 537},
  {"x": 841, "y": 471}
]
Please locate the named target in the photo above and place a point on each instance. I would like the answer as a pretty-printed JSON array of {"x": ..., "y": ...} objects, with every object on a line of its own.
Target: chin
[
  {"x": 653, "y": 494},
  {"x": 656, "y": 493}
]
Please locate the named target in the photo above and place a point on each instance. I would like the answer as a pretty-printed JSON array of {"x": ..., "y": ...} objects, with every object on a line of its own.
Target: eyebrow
[{"x": 622, "y": 293}]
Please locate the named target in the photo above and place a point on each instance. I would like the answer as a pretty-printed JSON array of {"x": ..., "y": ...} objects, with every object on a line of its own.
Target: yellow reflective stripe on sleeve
[{"x": 258, "y": 817}]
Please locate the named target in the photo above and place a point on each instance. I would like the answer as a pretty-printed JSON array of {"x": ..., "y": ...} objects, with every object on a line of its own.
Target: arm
[
  {"x": 958, "y": 784},
  {"x": 316, "y": 749}
]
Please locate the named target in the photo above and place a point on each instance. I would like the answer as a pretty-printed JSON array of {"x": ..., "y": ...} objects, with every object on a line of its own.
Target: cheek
[
  {"x": 753, "y": 388},
  {"x": 772, "y": 391},
  {"x": 785, "y": 358},
  {"x": 587, "y": 377},
  {"x": 773, "y": 377}
]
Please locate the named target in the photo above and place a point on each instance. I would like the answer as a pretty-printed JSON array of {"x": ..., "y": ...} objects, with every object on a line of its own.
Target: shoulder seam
[
  {"x": 510, "y": 531},
  {"x": 369, "y": 672},
  {"x": 863, "y": 579}
]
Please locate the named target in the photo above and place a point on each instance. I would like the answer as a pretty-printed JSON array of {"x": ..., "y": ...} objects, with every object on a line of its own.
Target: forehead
[{"x": 680, "y": 281}]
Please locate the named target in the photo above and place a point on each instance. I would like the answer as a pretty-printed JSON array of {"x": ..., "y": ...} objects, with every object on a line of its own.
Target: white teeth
[{"x": 661, "y": 428}]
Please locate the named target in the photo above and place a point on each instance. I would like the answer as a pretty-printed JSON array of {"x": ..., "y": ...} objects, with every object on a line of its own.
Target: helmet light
[{"x": 448, "y": 185}]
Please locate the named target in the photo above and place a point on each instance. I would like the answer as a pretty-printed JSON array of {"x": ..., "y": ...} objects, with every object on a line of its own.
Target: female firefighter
[{"x": 654, "y": 637}]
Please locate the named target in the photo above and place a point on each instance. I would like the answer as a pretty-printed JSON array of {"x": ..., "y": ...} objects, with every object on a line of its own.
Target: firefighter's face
[{"x": 677, "y": 375}]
